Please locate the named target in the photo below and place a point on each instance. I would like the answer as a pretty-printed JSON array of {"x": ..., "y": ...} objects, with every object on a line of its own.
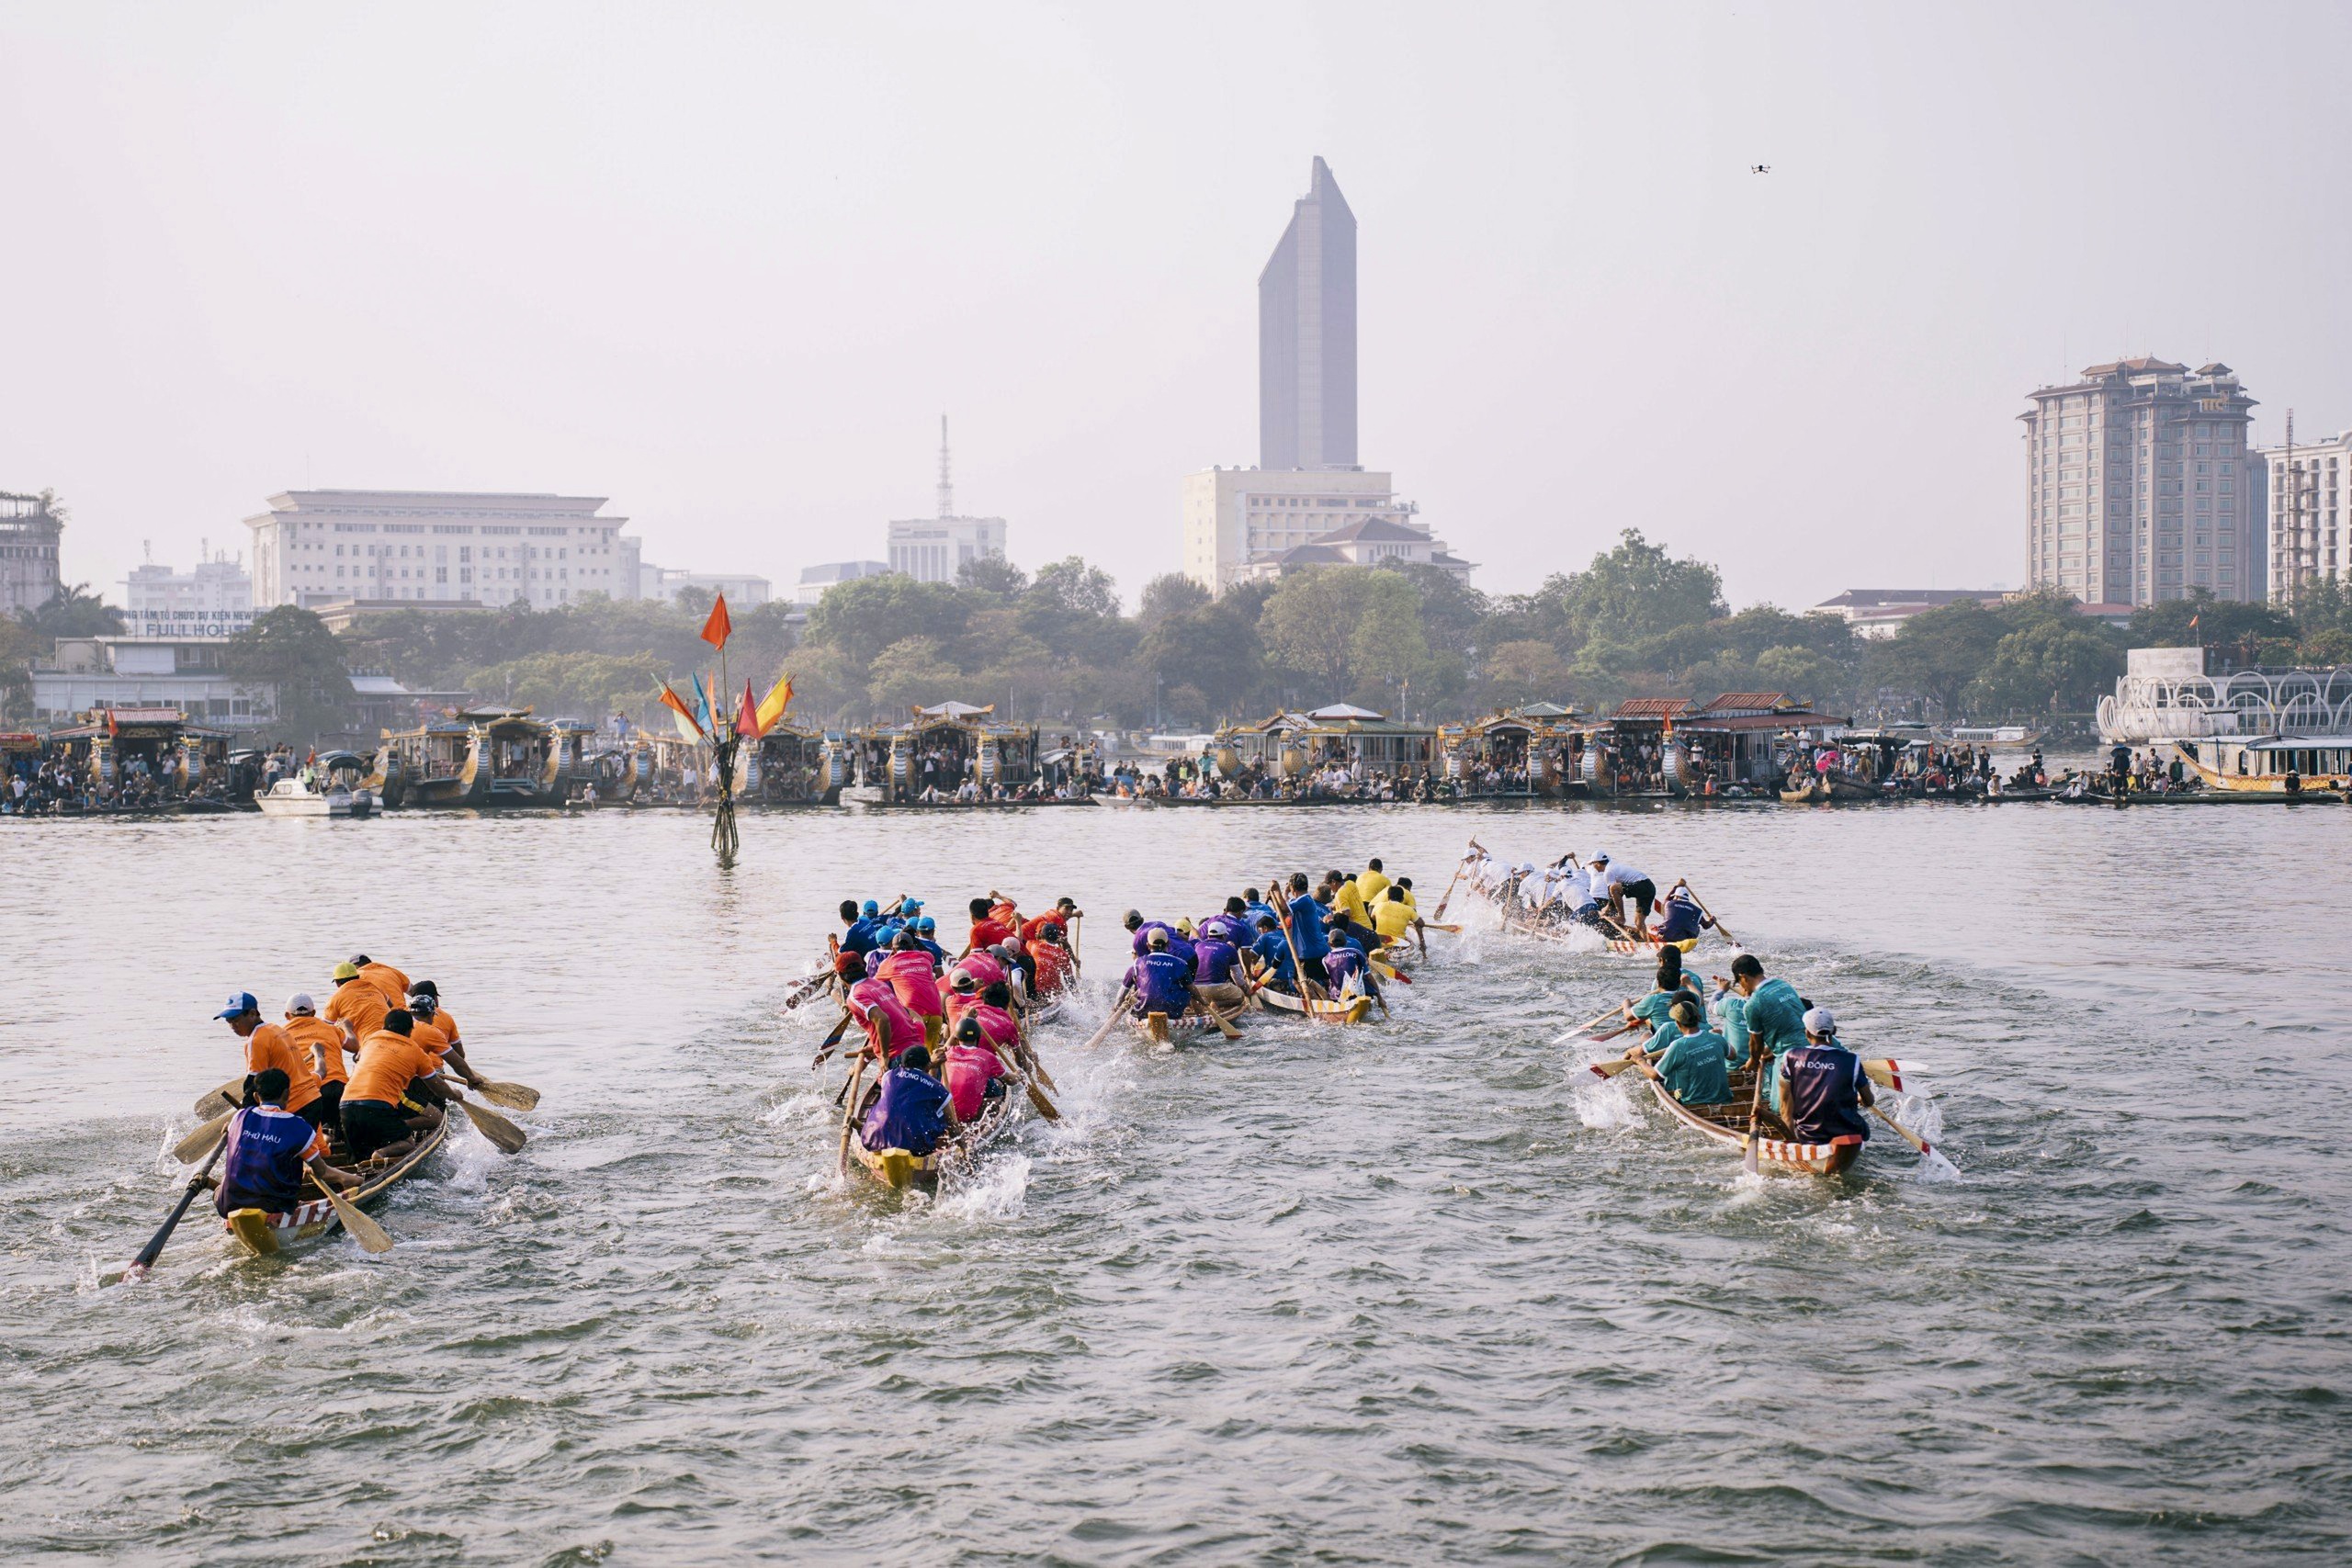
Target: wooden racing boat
[
  {"x": 1352, "y": 1011},
  {"x": 1162, "y": 1029},
  {"x": 259, "y": 1232},
  {"x": 1728, "y": 1124},
  {"x": 901, "y": 1169}
]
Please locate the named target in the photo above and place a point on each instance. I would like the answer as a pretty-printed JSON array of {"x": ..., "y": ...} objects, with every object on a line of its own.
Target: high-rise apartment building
[
  {"x": 319, "y": 547},
  {"x": 1306, "y": 336},
  {"x": 214, "y": 600},
  {"x": 2140, "y": 485},
  {"x": 2308, "y": 501}
]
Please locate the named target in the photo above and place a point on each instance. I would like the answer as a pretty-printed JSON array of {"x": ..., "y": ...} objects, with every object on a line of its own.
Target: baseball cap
[
  {"x": 1820, "y": 1021},
  {"x": 1598, "y": 857},
  {"x": 346, "y": 971},
  {"x": 910, "y": 906},
  {"x": 926, "y": 925},
  {"x": 872, "y": 909},
  {"x": 300, "y": 1002},
  {"x": 239, "y": 1004}
]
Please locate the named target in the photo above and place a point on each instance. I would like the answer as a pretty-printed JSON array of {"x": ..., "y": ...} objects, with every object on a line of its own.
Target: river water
[{"x": 1428, "y": 1291}]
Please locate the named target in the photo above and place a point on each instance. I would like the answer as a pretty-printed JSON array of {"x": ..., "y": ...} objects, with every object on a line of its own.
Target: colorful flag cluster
[{"x": 755, "y": 715}]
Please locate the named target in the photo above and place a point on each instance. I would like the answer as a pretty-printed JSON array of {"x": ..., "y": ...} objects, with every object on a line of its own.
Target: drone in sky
[{"x": 1759, "y": 168}]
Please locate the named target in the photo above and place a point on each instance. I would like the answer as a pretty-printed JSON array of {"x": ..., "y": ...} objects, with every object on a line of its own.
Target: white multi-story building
[
  {"x": 1243, "y": 523},
  {"x": 214, "y": 600},
  {"x": 936, "y": 549},
  {"x": 29, "y": 534},
  {"x": 2309, "y": 498},
  {"x": 189, "y": 673},
  {"x": 2140, "y": 485},
  {"x": 744, "y": 590},
  {"x": 816, "y": 580},
  {"x": 322, "y": 547}
]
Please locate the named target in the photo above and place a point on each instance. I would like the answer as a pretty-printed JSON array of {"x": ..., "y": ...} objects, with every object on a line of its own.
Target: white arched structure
[{"x": 2251, "y": 701}]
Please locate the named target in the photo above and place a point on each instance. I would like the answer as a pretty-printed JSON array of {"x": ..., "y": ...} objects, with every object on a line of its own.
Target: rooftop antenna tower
[{"x": 946, "y": 490}]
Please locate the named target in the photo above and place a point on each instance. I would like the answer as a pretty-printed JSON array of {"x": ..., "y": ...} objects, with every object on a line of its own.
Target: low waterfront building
[
  {"x": 188, "y": 675},
  {"x": 321, "y": 546},
  {"x": 1881, "y": 612},
  {"x": 668, "y": 584}
]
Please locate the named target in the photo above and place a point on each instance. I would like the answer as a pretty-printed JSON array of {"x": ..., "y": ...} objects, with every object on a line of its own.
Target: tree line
[{"x": 1059, "y": 646}]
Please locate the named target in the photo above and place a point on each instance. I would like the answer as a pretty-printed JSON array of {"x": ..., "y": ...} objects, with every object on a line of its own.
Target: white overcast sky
[{"x": 727, "y": 264}]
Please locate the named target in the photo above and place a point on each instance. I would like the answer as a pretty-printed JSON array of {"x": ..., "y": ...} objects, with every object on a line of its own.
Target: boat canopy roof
[
  {"x": 340, "y": 759},
  {"x": 2296, "y": 742},
  {"x": 491, "y": 714}
]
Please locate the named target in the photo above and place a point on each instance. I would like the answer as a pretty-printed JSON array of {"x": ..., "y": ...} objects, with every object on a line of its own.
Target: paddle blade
[
  {"x": 1887, "y": 1073},
  {"x": 507, "y": 1137},
  {"x": 371, "y": 1236},
  {"x": 198, "y": 1144},
  {"x": 1611, "y": 1068},
  {"x": 514, "y": 1096},
  {"x": 1749, "y": 1153},
  {"x": 227, "y": 1097},
  {"x": 1046, "y": 1108}
]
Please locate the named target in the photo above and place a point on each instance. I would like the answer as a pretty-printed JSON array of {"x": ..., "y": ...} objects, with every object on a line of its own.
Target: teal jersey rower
[
  {"x": 1694, "y": 1063},
  {"x": 1775, "y": 1018},
  {"x": 1729, "y": 1015}
]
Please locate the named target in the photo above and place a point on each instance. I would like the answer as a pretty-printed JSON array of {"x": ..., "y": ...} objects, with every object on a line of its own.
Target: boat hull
[
  {"x": 902, "y": 1169},
  {"x": 260, "y": 1233},
  {"x": 1353, "y": 1010},
  {"x": 1726, "y": 1125}
]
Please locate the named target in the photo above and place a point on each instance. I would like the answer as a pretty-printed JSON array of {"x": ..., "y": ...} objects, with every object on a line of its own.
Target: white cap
[
  {"x": 1820, "y": 1021},
  {"x": 1527, "y": 868},
  {"x": 1597, "y": 855},
  {"x": 300, "y": 1002}
]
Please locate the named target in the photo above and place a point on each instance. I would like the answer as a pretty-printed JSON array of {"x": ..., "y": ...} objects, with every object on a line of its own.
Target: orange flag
[
  {"x": 677, "y": 705},
  {"x": 715, "y": 630}
]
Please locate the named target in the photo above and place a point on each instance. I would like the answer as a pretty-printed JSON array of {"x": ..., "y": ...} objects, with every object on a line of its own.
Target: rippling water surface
[{"x": 1402, "y": 1294}]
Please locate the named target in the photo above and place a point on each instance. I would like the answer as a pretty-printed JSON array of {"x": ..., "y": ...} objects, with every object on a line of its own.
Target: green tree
[
  {"x": 1635, "y": 590},
  {"x": 864, "y": 617},
  {"x": 1527, "y": 670},
  {"x": 914, "y": 671},
  {"x": 19, "y": 645},
  {"x": 73, "y": 611},
  {"x": 1073, "y": 609},
  {"x": 1171, "y": 594},
  {"x": 1213, "y": 648},
  {"x": 575, "y": 685},
  {"x": 2054, "y": 666},
  {"x": 1938, "y": 652},
  {"x": 2219, "y": 622},
  {"x": 1309, "y": 624},
  {"x": 1387, "y": 652},
  {"x": 992, "y": 574},
  {"x": 291, "y": 648}
]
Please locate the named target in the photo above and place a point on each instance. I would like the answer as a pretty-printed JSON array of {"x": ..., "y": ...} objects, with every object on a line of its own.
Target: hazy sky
[{"x": 727, "y": 265}]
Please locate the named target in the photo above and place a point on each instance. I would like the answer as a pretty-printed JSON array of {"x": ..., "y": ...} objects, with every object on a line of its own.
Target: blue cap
[
  {"x": 239, "y": 1004},
  {"x": 926, "y": 924},
  {"x": 910, "y": 906},
  {"x": 872, "y": 909}
]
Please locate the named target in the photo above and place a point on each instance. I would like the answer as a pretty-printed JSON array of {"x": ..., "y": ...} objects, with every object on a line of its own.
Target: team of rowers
[
  {"x": 305, "y": 1106},
  {"x": 1594, "y": 892},
  {"x": 948, "y": 1034},
  {"x": 1813, "y": 1086}
]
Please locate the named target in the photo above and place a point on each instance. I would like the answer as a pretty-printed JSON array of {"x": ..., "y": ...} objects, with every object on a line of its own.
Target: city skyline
[{"x": 544, "y": 285}]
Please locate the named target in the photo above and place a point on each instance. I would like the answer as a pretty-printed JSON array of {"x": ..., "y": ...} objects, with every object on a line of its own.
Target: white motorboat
[{"x": 302, "y": 796}]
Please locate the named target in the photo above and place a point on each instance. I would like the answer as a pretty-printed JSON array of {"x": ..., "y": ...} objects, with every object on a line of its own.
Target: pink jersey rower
[
  {"x": 971, "y": 1070},
  {"x": 911, "y": 975},
  {"x": 877, "y": 1007},
  {"x": 985, "y": 968}
]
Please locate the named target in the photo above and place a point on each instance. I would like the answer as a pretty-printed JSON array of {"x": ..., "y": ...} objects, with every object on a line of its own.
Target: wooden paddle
[
  {"x": 1589, "y": 1025},
  {"x": 849, "y": 1117},
  {"x": 229, "y": 1096},
  {"x": 1755, "y": 1117},
  {"x": 370, "y": 1236},
  {"x": 193, "y": 1147},
  {"x": 1458, "y": 866},
  {"x": 506, "y": 1137},
  {"x": 1218, "y": 1019},
  {"x": 1069, "y": 934},
  {"x": 1127, "y": 993},
  {"x": 1309, "y": 988},
  {"x": 154, "y": 1247},
  {"x": 1721, "y": 930},
  {"x": 825, "y": 1048},
  {"x": 1926, "y": 1151},
  {"x": 514, "y": 1096},
  {"x": 1036, "y": 1096}
]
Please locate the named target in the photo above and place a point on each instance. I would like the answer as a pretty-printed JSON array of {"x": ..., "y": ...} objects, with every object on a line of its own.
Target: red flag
[
  {"x": 715, "y": 630},
  {"x": 747, "y": 717}
]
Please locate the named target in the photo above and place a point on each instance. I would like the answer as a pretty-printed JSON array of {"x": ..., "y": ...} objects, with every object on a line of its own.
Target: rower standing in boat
[
  {"x": 323, "y": 1043},
  {"x": 384, "y": 977},
  {"x": 1821, "y": 1087},
  {"x": 357, "y": 1005},
  {"x": 1306, "y": 913},
  {"x": 1681, "y": 918},
  {"x": 267, "y": 1046},
  {"x": 1773, "y": 1016},
  {"x": 268, "y": 1148},
  {"x": 1616, "y": 884},
  {"x": 1692, "y": 1060}
]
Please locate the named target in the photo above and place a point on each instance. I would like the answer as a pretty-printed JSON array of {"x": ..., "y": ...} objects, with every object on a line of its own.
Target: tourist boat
[
  {"x": 1530, "y": 742},
  {"x": 260, "y": 1233},
  {"x": 2280, "y": 765},
  {"x": 302, "y": 797},
  {"x": 899, "y": 1169},
  {"x": 946, "y": 745},
  {"x": 2015, "y": 736},
  {"x": 1738, "y": 743},
  {"x": 1359, "y": 740},
  {"x": 1728, "y": 1124},
  {"x": 1352, "y": 1010},
  {"x": 794, "y": 764}
]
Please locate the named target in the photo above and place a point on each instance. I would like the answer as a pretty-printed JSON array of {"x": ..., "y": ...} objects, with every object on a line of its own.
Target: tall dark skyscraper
[{"x": 1306, "y": 336}]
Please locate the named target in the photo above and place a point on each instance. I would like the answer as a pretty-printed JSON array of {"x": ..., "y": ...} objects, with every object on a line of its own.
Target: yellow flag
[{"x": 772, "y": 707}]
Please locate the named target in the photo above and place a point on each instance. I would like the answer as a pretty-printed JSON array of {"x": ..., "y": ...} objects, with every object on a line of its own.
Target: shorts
[
  {"x": 331, "y": 1096},
  {"x": 370, "y": 1124},
  {"x": 319, "y": 1113}
]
